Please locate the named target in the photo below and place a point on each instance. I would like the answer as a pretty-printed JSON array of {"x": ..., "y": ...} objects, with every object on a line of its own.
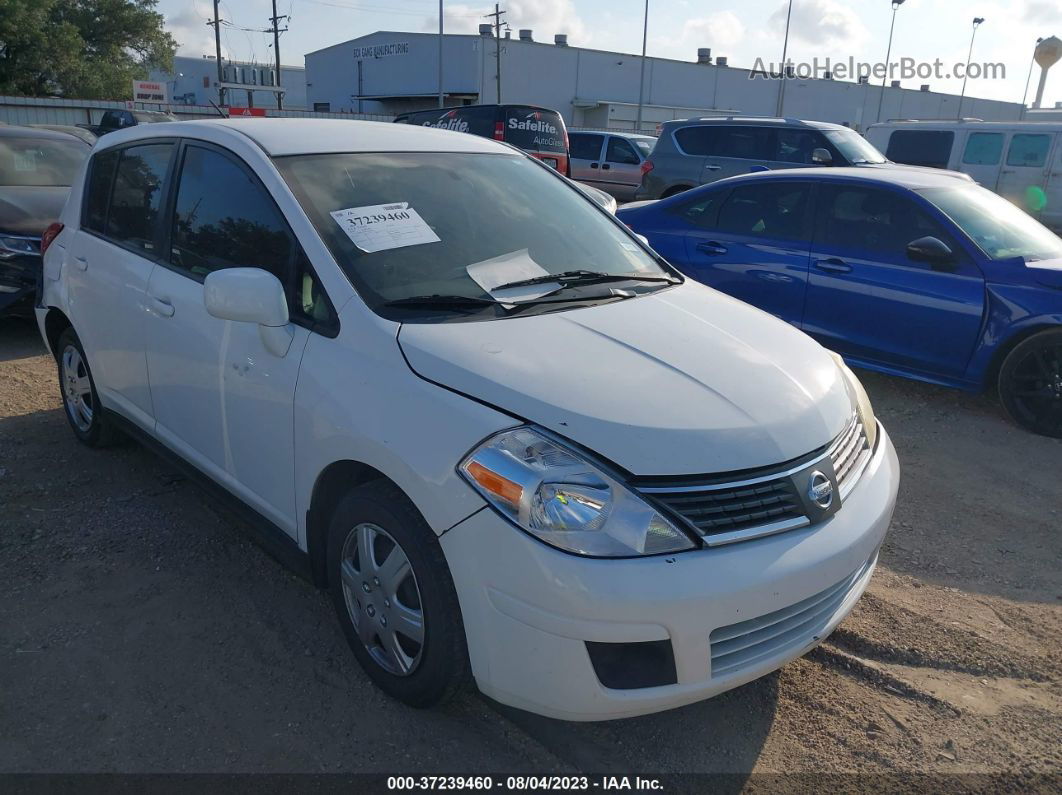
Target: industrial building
[
  {"x": 392, "y": 72},
  {"x": 194, "y": 81}
]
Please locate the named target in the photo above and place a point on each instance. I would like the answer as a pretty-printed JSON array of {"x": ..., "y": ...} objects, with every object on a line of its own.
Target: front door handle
[
  {"x": 711, "y": 247},
  {"x": 712, "y": 168},
  {"x": 833, "y": 265},
  {"x": 81, "y": 263},
  {"x": 161, "y": 307}
]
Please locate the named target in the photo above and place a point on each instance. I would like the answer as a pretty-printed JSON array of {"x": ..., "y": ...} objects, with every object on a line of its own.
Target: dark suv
[{"x": 692, "y": 152}]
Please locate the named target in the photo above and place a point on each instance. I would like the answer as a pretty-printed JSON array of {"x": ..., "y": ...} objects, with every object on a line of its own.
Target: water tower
[{"x": 1047, "y": 54}]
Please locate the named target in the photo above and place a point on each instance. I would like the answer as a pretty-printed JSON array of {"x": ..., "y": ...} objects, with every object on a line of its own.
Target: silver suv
[{"x": 692, "y": 152}]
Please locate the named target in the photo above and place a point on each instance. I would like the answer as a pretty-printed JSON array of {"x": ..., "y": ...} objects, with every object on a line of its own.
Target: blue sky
[{"x": 743, "y": 31}]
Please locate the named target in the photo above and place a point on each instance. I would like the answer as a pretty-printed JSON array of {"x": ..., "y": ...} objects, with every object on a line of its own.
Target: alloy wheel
[
  {"x": 382, "y": 598},
  {"x": 1036, "y": 387}
]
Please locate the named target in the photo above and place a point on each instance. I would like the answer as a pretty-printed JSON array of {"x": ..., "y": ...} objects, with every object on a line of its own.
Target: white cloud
[
  {"x": 822, "y": 23},
  {"x": 192, "y": 34},
  {"x": 721, "y": 29}
]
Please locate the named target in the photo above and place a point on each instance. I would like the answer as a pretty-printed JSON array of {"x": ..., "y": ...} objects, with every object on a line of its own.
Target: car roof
[
  {"x": 13, "y": 130},
  {"x": 909, "y": 178},
  {"x": 278, "y": 137},
  {"x": 758, "y": 121}
]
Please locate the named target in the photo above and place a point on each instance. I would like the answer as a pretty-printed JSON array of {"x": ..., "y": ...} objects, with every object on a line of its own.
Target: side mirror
[
  {"x": 931, "y": 250},
  {"x": 821, "y": 156},
  {"x": 251, "y": 295}
]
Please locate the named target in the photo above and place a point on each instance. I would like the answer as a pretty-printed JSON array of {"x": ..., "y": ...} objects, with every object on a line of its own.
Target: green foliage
[{"x": 90, "y": 49}]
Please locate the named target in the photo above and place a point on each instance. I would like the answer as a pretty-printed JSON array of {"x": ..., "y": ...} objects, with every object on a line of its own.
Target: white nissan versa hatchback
[{"x": 511, "y": 441}]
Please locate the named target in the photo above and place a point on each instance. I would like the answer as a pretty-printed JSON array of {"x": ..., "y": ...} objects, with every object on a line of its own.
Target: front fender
[{"x": 1014, "y": 312}]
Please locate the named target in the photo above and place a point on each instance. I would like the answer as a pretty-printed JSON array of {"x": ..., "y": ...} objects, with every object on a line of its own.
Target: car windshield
[
  {"x": 40, "y": 162},
  {"x": 999, "y": 228},
  {"x": 153, "y": 117},
  {"x": 412, "y": 225},
  {"x": 854, "y": 147}
]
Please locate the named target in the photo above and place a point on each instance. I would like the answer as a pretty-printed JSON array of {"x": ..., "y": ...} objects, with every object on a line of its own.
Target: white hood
[{"x": 687, "y": 381}]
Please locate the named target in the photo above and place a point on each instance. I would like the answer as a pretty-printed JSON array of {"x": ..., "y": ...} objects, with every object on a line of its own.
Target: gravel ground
[{"x": 142, "y": 631}]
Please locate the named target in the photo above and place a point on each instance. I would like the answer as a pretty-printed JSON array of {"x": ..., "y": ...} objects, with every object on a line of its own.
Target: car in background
[
  {"x": 513, "y": 443},
  {"x": 692, "y": 152},
  {"x": 37, "y": 168},
  {"x": 611, "y": 161},
  {"x": 87, "y": 136},
  {"x": 123, "y": 119},
  {"x": 909, "y": 273},
  {"x": 1021, "y": 161},
  {"x": 540, "y": 132}
]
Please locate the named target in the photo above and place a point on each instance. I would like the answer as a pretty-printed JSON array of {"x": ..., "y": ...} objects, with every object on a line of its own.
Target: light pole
[
  {"x": 888, "y": 53},
  {"x": 976, "y": 24},
  {"x": 785, "y": 70},
  {"x": 641, "y": 74},
  {"x": 440, "y": 52},
  {"x": 1025, "y": 93}
]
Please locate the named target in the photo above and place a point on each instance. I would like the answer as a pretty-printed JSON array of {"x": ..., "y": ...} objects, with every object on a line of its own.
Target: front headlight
[
  {"x": 561, "y": 498},
  {"x": 861, "y": 399},
  {"x": 12, "y": 246}
]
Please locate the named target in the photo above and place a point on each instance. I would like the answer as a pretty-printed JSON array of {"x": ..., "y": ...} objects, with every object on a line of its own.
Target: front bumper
[
  {"x": 18, "y": 284},
  {"x": 529, "y": 609}
]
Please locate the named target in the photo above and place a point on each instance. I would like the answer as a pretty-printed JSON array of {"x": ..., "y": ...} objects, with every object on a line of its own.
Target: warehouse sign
[
  {"x": 381, "y": 50},
  {"x": 149, "y": 91}
]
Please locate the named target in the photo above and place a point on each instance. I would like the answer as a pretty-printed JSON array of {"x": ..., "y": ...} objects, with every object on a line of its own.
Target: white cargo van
[{"x": 1019, "y": 160}]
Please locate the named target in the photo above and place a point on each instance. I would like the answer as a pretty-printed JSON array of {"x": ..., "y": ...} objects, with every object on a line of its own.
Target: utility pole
[
  {"x": 498, "y": 14},
  {"x": 888, "y": 54},
  {"x": 976, "y": 24},
  {"x": 440, "y": 53},
  {"x": 785, "y": 67},
  {"x": 641, "y": 72},
  {"x": 217, "y": 49},
  {"x": 276, "y": 31}
]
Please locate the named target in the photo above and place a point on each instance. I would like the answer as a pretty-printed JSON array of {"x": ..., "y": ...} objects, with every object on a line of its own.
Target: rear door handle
[
  {"x": 161, "y": 307},
  {"x": 711, "y": 247},
  {"x": 81, "y": 263},
  {"x": 712, "y": 168},
  {"x": 833, "y": 265}
]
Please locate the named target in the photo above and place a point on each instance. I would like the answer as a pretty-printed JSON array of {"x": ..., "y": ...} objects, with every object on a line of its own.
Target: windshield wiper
[
  {"x": 568, "y": 278},
  {"x": 442, "y": 301}
]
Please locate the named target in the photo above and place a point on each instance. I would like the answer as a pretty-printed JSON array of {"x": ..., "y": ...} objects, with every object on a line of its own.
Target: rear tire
[
  {"x": 81, "y": 402},
  {"x": 1030, "y": 383},
  {"x": 394, "y": 596}
]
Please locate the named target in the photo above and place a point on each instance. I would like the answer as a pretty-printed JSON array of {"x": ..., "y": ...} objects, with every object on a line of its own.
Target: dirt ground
[{"x": 142, "y": 631}]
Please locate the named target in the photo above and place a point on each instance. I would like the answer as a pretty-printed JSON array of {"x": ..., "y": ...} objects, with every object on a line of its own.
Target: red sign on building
[{"x": 237, "y": 112}]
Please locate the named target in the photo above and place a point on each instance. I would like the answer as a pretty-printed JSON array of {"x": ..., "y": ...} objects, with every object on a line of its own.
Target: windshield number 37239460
[{"x": 364, "y": 220}]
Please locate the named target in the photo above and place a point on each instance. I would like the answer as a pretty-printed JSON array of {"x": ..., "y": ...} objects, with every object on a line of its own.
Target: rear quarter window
[{"x": 921, "y": 147}]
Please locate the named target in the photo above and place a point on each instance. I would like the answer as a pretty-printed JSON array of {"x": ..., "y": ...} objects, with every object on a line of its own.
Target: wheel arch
[
  {"x": 55, "y": 323},
  {"x": 331, "y": 485},
  {"x": 1009, "y": 344}
]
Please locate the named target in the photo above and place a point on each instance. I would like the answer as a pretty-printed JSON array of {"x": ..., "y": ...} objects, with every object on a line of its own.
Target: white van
[
  {"x": 1021, "y": 161},
  {"x": 511, "y": 440}
]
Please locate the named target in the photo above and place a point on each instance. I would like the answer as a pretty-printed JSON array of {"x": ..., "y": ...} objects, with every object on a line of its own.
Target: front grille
[
  {"x": 849, "y": 454},
  {"x": 747, "y": 643},
  {"x": 754, "y": 503},
  {"x": 722, "y": 510}
]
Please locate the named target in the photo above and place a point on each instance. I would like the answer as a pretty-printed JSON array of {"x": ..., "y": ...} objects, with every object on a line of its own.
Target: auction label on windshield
[{"x": 380, "y": 227}]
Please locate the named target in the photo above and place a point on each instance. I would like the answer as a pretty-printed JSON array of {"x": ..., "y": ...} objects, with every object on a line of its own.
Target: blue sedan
[{"x": 909, "y": 273}]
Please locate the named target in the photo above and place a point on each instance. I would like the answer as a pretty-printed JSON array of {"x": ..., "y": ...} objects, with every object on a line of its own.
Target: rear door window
[
  {"x": 983, "y": 149},
  {"x": 585, "y": 146},
  {"x": 776, "y": 211},
  {"x": 747, "y": 143},
  {"x": 1028, "y": 150},
  {"x": 535, "y": 130},
  {"x": 132, "y": 215},
  {"x": 621, "y": 152},
  {"x": 921, "y": 147},
  {"x": 700, "y": 140}
]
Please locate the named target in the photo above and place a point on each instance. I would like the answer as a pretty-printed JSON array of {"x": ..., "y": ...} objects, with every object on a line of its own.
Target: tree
[{"x": 90, "y": 49}]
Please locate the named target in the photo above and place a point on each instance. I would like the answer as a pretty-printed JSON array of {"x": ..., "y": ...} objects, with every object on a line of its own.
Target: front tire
[
  {"x": 394, "y": 596},
  {"x": 81, "y": 402},
  {"x": 1030, "y": 383}
]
